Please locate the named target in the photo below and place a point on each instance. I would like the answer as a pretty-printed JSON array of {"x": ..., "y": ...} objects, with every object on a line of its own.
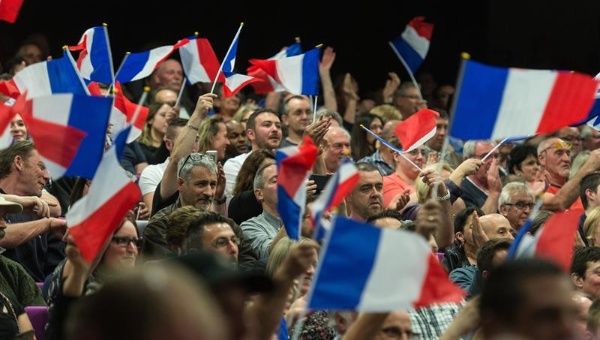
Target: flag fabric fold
[
  {"x": 199, "y": 61},
  {"x": 494, "y": 102},
  {"x": 233, "y": 82},
  {"x": 122, "y": 115},
  {"x": 95, "y": 61},
  {"x": 413, "y": 44},
  {"x": 141, "y": 64},
  {"x": 9, "y": 10},
  {"x": 371, "y": 269},
  {"x": 93, "y": 219},
  {"x": 293, "y": 167},
  {"x": 297, "y": 74},
  {"x": 417, "y": 129},
  {"x": 266, "y": 83}
]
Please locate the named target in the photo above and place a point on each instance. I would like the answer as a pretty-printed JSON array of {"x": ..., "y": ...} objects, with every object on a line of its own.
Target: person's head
[
  {"x": 334, "y": 118},
  {"x": 280, "y": 251},
  {"x": 255, "y": 161},
  {"x": 164, "y": 95},
  {"x": 173, "y": 130},
  {"x": 243, "y": 114},
  {"x": 30, "y": 52},
  {"x": 387, "y": 112},
  {"x": 123, "y": 249},
  {"x": 18, "y": 130},
  {"x": 366, "y": 198},
  {"x": 404, "y": 163},
  {"x": 363, "y": 143},
  {"x": 297, "y": 114},
  {"x": 168, "y": 74},
  {"x": 593, "y": 320},
  {"x": 264, "y": 129},
  {"x": 463, "y": 226},
  {"x": 588, "y": 190},
  {"x": 478, "y": 150},
  {"x": 572, "y": 136},
  {"x": 441, "y": 96},
  {"x": 229, "y": 105},
  {"x": 591, "y": 226},
  {"x": 585, "y": 271},
  {"x": 212, "y": 135},
  {"x": 237, "y": 138},
  {"x": 441, "y": 131},
  {"x": 492, "y": 254},
  {"x": 527, "y": 298},
  {"x": 335, "y": 146},
  {"x": 583, "y": 304},
  {"x": 515, "y": 203},
  {"x": 179, "y": 221},
  {"x": 496, "y": 226},
  {"x": 389, "y": 135},
  {"x": 395, "y": 326},
  {"x": 554, "y": 155},
  {"x": 156, "y": 123},
  {"x": 591, "y": 138},
  {"x": 24, "y": 169},
  {"x": 387, "y": 219},
  {"x": 523, "y": 161},
  {"x": 214, "y": 233},
  {"x": 197, "y": 180},
  {"x": 158, "y": 302},
  {"x": 407, "y": 99},
  {"x": 265, "y": 186}
]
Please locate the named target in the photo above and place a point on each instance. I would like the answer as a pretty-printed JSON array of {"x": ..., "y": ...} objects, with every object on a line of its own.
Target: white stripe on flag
[
  {"x": 417, "y": 42},
  {"x": 34, "y": 78},
  {"x": 289, "y": 71},
  {"x": 525, "y": 91},
  {"x": 155, "y": 56},
  {"x": 86, "y": 64},
  {"x": 55, "y": 108},
  {"x": 191, "y": 63},
  {"x": 422, "y": 140},
  {"x": 236, "y": 80},
  {"x": 396, "y": 277}
]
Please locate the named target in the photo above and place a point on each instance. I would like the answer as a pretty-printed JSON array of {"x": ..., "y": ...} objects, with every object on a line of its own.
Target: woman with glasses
[{"x": 73, "y": 278}]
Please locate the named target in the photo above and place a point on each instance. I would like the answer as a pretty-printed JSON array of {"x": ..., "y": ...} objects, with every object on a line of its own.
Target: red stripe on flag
[
  {"x": 9, "y": 88},
  {"x": 436, "y": 287},
  {"x": 569, "y": 102},
  {"x": 268, "y": 66},
  {"x": 292, "y": 170},
  {"x": 423, "y": 28},
  {"x": 557, "y": 238},
  {"x": 343, "y": 190},
  {"x": 416, "y": 127},
  {"x": 208, "y": 58},
  {"x": 92, "y": 235},
  {"x": 9, "y": 10},
  {"x": 6, "y": 115}
]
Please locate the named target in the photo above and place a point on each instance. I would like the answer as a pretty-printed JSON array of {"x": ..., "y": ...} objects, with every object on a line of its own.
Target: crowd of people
[{"x": 204, "y": 254}]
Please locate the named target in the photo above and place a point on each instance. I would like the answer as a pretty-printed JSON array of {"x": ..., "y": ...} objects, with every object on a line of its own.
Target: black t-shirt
[{"x": 158, "y": 202}]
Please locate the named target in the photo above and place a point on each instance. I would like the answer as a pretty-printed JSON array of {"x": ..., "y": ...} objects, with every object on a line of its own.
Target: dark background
[{"x": 534, "y": 34}]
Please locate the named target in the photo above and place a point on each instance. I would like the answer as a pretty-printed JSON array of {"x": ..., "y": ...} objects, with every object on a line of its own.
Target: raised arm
[
  {"x": 326, "y": 83},
  {"x": 19, "y": 233}
]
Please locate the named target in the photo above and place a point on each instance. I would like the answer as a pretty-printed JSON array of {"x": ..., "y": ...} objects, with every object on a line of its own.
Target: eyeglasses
[
  {"x": 195, "y": 157},
  {"x": 223, "y": 242},
  {"x": 397, "y": 332},
  {"x": 123, "y": 241},
  {"x": 521, "y": 205}
]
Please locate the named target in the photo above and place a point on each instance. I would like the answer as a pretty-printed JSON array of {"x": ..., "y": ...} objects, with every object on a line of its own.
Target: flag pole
[
  {"x": 181, "y": 90},
  {"x": 212, "y": 90},
  {"x": 118, "y": 70},
  {"x": 74, "y": 64},
  {"x": 410, "y": 74},
  {"x": 494, "y": 149},
  {"x": 110, "y": 61},
  {"x": 398, "y": 151},
  {"x": 315, "y": 99}
]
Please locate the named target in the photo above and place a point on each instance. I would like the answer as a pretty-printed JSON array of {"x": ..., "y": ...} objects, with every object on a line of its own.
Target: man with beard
[
  {"x": 296, "y": 117},
  {"x": 237, "y": 139},
  {"x": 213, "y": 233}
]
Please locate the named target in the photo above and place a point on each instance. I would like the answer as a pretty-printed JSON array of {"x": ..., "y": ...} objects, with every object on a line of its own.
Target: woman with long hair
[{"x": 362, "y": 143}]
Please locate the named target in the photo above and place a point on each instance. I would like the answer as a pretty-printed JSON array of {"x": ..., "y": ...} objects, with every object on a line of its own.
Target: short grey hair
[
  {"x": 469, "y": 149},
  {"x": 510, "y": 189},
  {"x": 186, "y": 164},
  {"x": 259, "y": 181}
]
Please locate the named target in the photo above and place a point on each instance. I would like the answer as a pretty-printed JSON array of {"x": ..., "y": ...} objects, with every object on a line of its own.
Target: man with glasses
[
  {"x": 515, "y": 203},
  {"x": 405, "y": 174},
  {"x": 482, "y": 189},
  {"x": 197, "y": 186},
  {"x": 408, "y": 99}
]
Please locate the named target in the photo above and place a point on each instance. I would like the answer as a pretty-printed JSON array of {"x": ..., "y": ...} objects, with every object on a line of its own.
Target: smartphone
[
  {"x": 213, "y": 155},
  {"x": 321, "y": 181}
]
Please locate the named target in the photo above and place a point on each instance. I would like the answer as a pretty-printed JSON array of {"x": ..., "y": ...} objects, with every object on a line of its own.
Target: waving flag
[
  {"x": 233, "y": 82},
  {"x": 555, "y": 241},
  {"x": 49, "y": 77},
  {"x": 412, "y": 46},
  {"x": 140, "y": 65},
  {"x": 337, "y": 188},
  {"x": 9, "y": 10},
  {"x": 495, "y": 102},
  {"x": 93, "y": 219},
  {"x": 199, "y": 61},
  {"x": 123, "y": 113},
  {"x": 378, "y": 270},
  {"x": 593, "y": 119},
  {"x": 266, "y": 83},
  {"x": 298, "y": 74},
  {"x": 417, "y": 129},
  {"x": 293, "y": 167},
  {"x": 95, "y": 61}
]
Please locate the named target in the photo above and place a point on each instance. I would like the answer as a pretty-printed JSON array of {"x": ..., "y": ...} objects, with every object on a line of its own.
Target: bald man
[{"x": 496, "y": 226}]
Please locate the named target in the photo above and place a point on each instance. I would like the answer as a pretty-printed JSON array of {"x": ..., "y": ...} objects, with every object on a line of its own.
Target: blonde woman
[
  {"x": 590, "y": 227},
  {"x": 155, "y": 128},
  {"x": 212, "y": 135}
]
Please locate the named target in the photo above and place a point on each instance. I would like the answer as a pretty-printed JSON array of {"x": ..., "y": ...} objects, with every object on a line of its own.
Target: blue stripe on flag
[
  {"x": 410, "y": 56},
  {"x": 479, "y": 100},
  {"x": 289, "y": 212},
  {"x": 134, "y": 63},
  {"x": 310, "y": 73},
  {"x": 293, "y": 49},
  {"x": 99, "y": 56},
  {"x": 346, "y": 265},
  {"x": 89, "y": 114},
  {"x": 63, "y": 76}
]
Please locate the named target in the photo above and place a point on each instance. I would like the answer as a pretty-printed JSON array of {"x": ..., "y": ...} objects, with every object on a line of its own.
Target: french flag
[
  {"x": 412, "y": 45},
  {"x": 9, "y": 10},
  {"x": 234, "y": 82},
  {"x": 555, "y": 241},
  {"x": 56, "y": 142},
  {"x": 267, "y": 83},
  {"x": 593, "y": 119},
  {"x": 140, "y": 65},
  {"x": 7, "y": 113},
  {"x": 124, "y": 112},
  {"x": 293, "y": 167},
  {"x": 48, "y": 77},
  {"x": 199, "y": 61},
  {"x": 495, "y": 102},
  {"x": 337, "y": 188},
  {"x": 93, "y": 219},
  {"x": 298, "y": 74},
  {"x": 417, "y": 129},
  {"x": 378, "y": 270},
  {"x": 95, "y": 61}
]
